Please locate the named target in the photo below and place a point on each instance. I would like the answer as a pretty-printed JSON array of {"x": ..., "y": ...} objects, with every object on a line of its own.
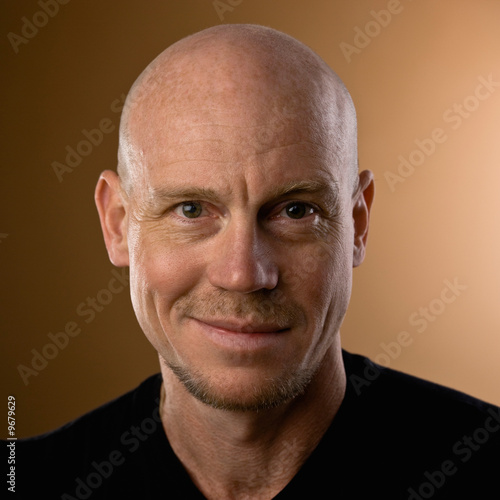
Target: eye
[
  {"x": 297, "y": 210},
  {"x": 189, "y": 209}
]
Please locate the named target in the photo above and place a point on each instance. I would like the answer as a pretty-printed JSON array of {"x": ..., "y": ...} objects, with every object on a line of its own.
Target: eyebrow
[
  {"x": 190, "y": 193},
  {"x": 320, "y": 187},
  {"x": 306, "y": 187}
]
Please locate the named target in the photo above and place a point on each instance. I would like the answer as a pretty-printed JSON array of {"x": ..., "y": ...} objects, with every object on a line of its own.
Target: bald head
[{"x": 265, "y": 81}]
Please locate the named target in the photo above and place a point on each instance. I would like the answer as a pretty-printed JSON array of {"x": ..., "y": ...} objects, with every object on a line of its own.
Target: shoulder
[
  {"x": 106, "y": 421},
  {"x": 84, "y": 452},
  {"x": 418, "y": 429},
  {"x": 399, "y": 391}
]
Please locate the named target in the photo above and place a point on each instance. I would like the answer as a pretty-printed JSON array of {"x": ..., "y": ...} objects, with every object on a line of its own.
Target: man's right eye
[{"x": 189, "y": 209}]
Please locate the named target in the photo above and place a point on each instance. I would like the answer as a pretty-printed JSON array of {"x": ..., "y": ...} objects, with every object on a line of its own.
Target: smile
[{"x": 241, "y": 335}]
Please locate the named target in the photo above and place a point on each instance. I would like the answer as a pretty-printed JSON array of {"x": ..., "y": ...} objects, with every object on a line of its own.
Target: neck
[{"x": 250, "y": 454}]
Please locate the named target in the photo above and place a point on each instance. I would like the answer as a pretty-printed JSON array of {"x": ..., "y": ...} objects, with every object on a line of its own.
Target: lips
[
  {"x": 232, "y": 326},
  {"x": 241, "y": 336}
]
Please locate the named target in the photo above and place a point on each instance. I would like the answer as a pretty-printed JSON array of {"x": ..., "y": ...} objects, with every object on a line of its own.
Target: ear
[
  {"x": 112, "y": 208},
  {"x": 362, "y": 203}
]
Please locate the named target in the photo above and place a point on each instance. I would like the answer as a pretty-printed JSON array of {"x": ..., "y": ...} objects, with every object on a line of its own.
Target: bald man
[{"x": 240, "y": 211}]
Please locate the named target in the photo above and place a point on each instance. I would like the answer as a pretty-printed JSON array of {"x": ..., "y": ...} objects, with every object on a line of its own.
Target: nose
[{"x": 242, "y": 260}]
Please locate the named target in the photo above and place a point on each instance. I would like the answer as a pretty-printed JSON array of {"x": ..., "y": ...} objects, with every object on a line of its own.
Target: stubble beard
[{"x": 272, "y": 392}]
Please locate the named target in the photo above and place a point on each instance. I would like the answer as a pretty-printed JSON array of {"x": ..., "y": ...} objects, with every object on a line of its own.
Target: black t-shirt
[{"x": 394, "y": 437}]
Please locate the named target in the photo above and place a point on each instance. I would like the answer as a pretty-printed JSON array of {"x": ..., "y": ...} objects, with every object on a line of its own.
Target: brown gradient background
[{"x": 441, "y": 223}]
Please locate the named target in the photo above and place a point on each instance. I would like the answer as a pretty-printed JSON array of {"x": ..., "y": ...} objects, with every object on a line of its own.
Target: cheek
[
  {"x": 160, "y": 273},
  {"x": 322, "y": 283},
  {"x": 324, "y": 269}
]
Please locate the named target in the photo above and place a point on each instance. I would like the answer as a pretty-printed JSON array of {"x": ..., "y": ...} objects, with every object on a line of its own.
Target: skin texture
[{"x": 240, "y": 212}]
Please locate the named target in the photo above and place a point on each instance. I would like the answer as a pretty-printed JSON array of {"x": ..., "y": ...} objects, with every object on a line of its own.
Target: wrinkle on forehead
[{"x": 258, "y": 79}]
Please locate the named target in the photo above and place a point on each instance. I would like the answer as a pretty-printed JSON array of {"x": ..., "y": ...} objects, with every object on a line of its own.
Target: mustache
[{"x": 257, "y": 307}]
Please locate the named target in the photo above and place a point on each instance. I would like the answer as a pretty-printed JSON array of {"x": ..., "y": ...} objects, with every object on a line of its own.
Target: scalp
[{"x": 235, "y": 67}]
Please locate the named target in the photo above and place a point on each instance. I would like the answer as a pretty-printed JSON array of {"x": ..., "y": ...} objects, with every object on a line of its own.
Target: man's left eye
[{"x": 297, "y": 210}]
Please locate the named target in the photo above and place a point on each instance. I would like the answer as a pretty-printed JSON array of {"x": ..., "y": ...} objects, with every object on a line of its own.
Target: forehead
[
  {"x": 222, "y": 120},
  {"x": 267, "y": 144},
  {"x": 244, "y": 163},
  {"x": 213, "y": 110}
]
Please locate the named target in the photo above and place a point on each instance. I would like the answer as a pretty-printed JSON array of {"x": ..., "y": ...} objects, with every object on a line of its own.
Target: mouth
[
  {"x": 233, "y": 326},
  {"x": 242, "y": 335}
]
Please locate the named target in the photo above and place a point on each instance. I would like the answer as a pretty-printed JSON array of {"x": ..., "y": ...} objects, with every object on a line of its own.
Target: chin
[{"x": 243, "y": 392}]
